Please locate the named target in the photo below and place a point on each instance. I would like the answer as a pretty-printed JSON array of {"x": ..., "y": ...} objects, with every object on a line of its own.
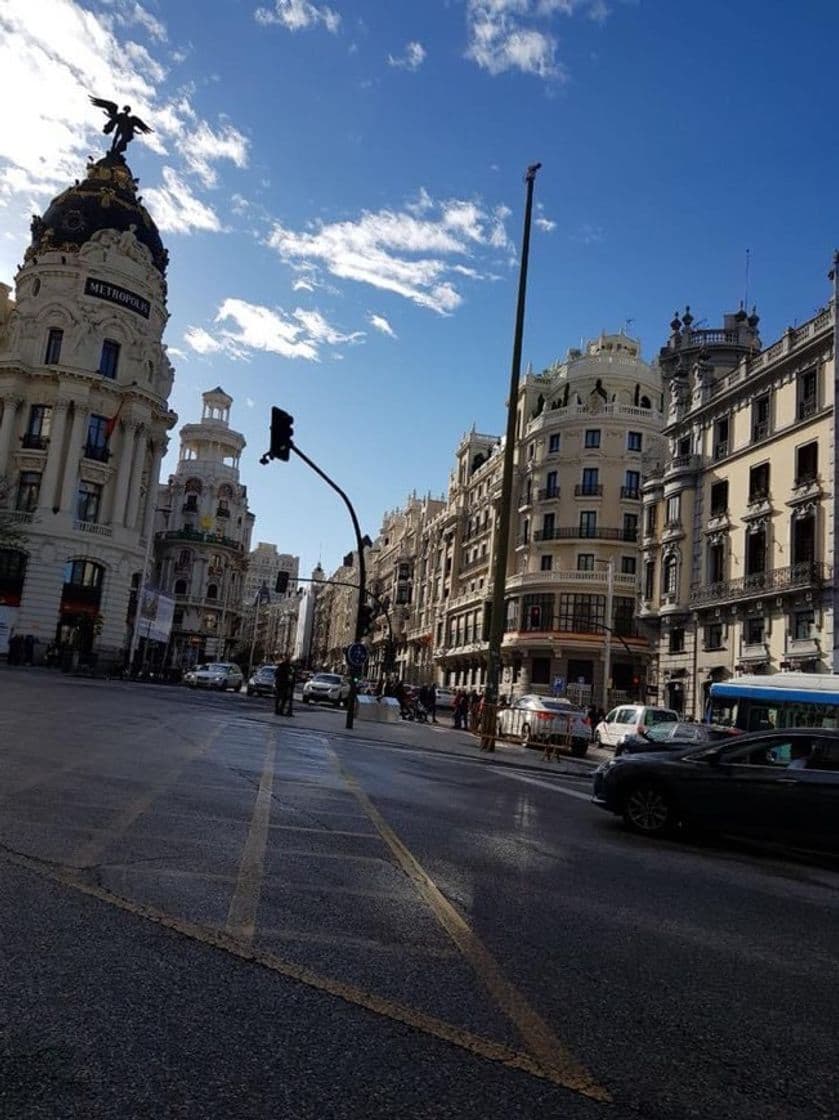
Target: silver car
[
  {"x": 330, "y": 687},
  {"x": 542, "y": 720},
  {"x": 219, "y": 675}
]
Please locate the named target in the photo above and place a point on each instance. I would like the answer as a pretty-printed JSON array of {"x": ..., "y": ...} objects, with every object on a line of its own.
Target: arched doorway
[{"x": 79, "y": 611}]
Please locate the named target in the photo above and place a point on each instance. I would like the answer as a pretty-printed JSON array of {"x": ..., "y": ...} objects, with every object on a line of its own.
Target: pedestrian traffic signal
[
  {"x": 281, "y": 586},
  {"x": 282, "y": 432}
]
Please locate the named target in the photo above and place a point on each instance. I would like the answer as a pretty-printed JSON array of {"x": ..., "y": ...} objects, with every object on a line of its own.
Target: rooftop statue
[{"x": 123, "y": 125}]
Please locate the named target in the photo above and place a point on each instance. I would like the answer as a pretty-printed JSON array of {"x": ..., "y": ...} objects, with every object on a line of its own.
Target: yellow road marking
[
  {"x": 241, "y": 917},
  {"x": 90, "y": 852},
  {"x": 552, "y": 1055},
  {"x": 349, "y": 993},
  {"x": 348, "y": 940}
]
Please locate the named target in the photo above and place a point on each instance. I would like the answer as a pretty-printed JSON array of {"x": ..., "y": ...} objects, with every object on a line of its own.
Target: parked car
[
  {"x": 189, "y": 675},
  {"x": 262, "y": 681},
  {"x": 536, "y": 720},
  {"x": 445, "y": 698},
  {"x": 220, "y": 675},
  {"x": 326, "y": 686},
  {"x": 672, "y": 737},
  {"x": 630, "y": 719},
  {"x": 776, "y": 785}
]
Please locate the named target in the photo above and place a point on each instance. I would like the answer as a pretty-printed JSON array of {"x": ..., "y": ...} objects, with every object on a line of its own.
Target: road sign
[
  {"x": 559, "y": 686},
  {"x": 357, "y": 655}
]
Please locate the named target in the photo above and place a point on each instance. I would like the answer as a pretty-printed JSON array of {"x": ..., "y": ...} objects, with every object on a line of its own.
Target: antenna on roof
[{"x": 748, "y": 263}]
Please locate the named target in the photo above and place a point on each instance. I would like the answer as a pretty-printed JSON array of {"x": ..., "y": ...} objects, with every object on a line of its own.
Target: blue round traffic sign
[{"x": 357, "y": 655}]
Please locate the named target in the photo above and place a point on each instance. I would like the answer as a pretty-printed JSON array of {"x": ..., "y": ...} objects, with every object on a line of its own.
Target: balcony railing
[
  {"x": 31, "y": 442},
  {"x": 94, "y": 528},
  {"x": 588, "y": 490},
  {"x": 548, "y": 492},
  {"x": 584, "y": 532},
  {"x": 631, "y": 493},
  {"x": 96, "y": 453},
  {"x": 807, "y": 574},
  {"x": 478, "y": 562},
  {"x": 206, "y": 538}
]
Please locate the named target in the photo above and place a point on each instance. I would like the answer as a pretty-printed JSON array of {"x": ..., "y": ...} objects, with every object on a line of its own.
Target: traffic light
[
  {"x": 282, "y": 433},
  {"x": 281, "y": 586},
  {"x": 365, "y": 617}
]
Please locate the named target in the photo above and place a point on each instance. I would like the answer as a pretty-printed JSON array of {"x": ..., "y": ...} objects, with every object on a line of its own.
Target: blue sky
[{"x": 340, "y": 188}]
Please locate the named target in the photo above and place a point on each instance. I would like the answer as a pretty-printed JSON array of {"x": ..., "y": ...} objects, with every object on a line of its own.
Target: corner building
[
  {"x": 739, "y": 519},
  {"x": 84, "y": 385}
]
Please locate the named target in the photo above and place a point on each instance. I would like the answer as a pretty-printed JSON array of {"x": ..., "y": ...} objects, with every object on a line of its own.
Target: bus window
[{"x": 762, "y": 717}]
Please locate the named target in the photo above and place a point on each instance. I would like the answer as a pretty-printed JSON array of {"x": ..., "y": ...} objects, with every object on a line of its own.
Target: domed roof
[{"x": 106, "y": 199}]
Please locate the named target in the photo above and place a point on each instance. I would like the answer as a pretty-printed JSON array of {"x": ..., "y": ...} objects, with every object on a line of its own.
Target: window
[
  {"x": 759, "y": 483},
  {"x": 588, "y": 523},
  {"x": 670, "y": 575},
  {"x": 540, "y": 670},
  {"x": 38, "y": 428},
  {"x": 180, "y": 587},
  {"x": 649, "y": 579},
  {"x": 537, "y": 612},
  {"x": 633, "y": 441},
  {"x": 756, "y": 552},
  {"x": 96, "y": 446},
  {"x": 804, "y": 539},
  {"x": 531, "y": 450},
  {"x": 719, "y": 498},
  {"x": 720, "y": 449},
  {"x": 212, "y": 591},
  {"x": 585, "y": 562},
  {"x": 651, "y": 519},
  {"x": 553, "y": 443},
  {"x": 83, "y": 573},
  {"x": 806, "y": 464},
  {"x": 53, "y": 353},
  {"x": 755, "y": 631},
  {"x": 89, "y": 497},
  {"x": 674, "y": 511},
  {"x": 582, "y": 614},
  {"x": 624, "y": 617},
  {"x": 760, "y": 418},
  {"x": 630, "y": 527},
  {"x": 803, "y": 624},
  {"x": 806, "y": 394},
  {"x": 223, "y": 508},
  {"x": 525, "y": 536},
  {"x": 109, "y": 359},
  {"x": 713, "y": 636},
  {"x": 592, "y": 438},
  {"x": 628, "y": 565},
  {"x": 547, "y": 562},
  {"x": 548, "y": 526},
  {"x": 403, "y": 596},
  {"x": 716, "y": 562},
  {"x": 28, "y": 491},
  {"x": 591, "y": 481},
  {"x": 632, "y": 485},
  {"x": 551, "y": 488},
  {"x": 677, "y": 640},
  {"x": 684, "y": 447}
]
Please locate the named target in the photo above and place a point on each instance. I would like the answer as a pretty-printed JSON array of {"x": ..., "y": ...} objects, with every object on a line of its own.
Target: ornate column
[
  {"x": 140, "y": 450},
  {"x": 70, "y": 483},
  {"x": 49, "y": 480},
  {"x": 126, "y": 455},
  {"x": 158, "y": 450},
  {"x": 11, "y": 405}
]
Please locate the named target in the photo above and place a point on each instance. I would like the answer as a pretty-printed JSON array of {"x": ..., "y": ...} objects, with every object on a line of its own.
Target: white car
[
  {"x": 220, "y": 675},
  {"x": 542, "y": 719},
  {"x": 630, "y": 719},
  {"x": 326, "y": 686},
  {"x": 445, "y": 698}
]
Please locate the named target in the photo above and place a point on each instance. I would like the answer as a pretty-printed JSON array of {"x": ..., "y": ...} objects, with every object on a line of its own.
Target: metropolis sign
[{"x": 114, "y": 294}]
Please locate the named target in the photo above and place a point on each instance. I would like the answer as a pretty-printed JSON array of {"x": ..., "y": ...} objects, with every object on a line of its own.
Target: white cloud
[
  {"x": 58, "y": 52},
  {"x": 408, "y": 252},
  {"x": 303, "y": 285},
  {"x": 176, "y": 209},
  {"x": 242, "y": 327},
  {"x": 517, "y": 34},
  {"x": 380, "y": 323},
  {"x": 411, "y": 59},
  {"x": 546, "y": 224},
  {"x": 250, "y": 402},
  {"x": 298, "y": 15}
]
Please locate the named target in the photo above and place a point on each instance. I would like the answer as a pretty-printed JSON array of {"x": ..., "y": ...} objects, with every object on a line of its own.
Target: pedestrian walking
[
  {"x": 432, "y": 702},
  {"x": 458, "y": 704},
  {"x": 282, "y": 681}
]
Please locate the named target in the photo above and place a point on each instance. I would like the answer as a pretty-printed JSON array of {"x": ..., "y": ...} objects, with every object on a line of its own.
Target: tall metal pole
[
  {"x": 607, "y": 645},
  {"x": 502, "y": 536}
]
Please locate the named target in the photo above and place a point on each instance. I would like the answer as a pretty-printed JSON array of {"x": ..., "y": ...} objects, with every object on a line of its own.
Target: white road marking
[{"x": 545, "y": 785}]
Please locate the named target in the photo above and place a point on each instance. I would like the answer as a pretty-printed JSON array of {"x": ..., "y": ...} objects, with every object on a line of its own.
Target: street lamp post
[{"x": 502, "y": 536}]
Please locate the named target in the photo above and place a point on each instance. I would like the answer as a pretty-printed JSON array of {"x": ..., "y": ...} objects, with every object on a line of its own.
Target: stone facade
[
  {"x": 203, "y": 537},
  {"x": 84, "y": 384},
  {"x": 739, "y": 526}
]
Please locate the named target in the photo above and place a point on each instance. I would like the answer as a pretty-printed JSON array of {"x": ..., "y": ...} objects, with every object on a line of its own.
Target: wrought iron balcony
[
  {"x": 631, "y": 493},
  {"x": 548, "y": 492},
  {"x": 32, "y": 442},
  {"x": 759, "y": 584},
  {"x": 585, "y": 532},
  {"x": 96, "y": 453},
  {"x": 588, "y": 490}
]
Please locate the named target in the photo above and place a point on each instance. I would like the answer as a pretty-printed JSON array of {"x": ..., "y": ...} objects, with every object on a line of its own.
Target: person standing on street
[
  {"x": 432, "y": 702},
  {"x": 282, "y": 682}
]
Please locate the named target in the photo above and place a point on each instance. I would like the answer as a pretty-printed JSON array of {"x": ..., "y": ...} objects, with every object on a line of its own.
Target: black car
[
  {"x": 672, "y": 737},
  {"x": 774, "y": 785}
]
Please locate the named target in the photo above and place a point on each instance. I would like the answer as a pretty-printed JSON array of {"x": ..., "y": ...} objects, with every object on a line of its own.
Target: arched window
[
  {"x": 670, "y": 574},
  {"x": 180, "y": 587},
  {"x": 212, "y": 591},
  {"x": 83, "y": 573}
]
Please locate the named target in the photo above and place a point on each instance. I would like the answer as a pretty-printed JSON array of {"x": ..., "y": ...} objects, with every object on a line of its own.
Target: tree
[{"x": 12, "y": 530}]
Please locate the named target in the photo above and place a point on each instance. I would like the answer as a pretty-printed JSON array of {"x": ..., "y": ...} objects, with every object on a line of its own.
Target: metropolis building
[{"x": 84, "y": 386}]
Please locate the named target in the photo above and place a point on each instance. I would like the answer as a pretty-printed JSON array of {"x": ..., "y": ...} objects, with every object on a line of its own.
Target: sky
[{"x": 340, "y": 187}]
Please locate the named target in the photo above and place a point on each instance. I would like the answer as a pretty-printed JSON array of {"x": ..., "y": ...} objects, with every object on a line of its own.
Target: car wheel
[
  {"x": 525, "y": 735},
  {"x": 647, "y": 808},
  {"x": 579, "y": 748}
]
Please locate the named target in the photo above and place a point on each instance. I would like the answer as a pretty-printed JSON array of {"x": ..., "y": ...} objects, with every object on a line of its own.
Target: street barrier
[{"x": 377, "y": 710}]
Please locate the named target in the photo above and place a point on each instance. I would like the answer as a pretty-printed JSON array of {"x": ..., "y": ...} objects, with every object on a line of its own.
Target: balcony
[
  {"x": 620, "y": 580},
  {"x": 586, "y": 533},
  {"x": 754, "y": 652},
  {"x": 18, "y": 516},
  {"x": 547, "y": 493},
  {"x": 93, "y": 528},
  {"x": 96, "y": 453},
  {"x": 760, "y": 584},
  {"x": 32, "y": 442},
  {"x": 760, "y": 430},
  {"x": 802, "y": 648},
  {"x": 588, "y": 490},
  {"x": 193, "y": 536},
  {"x": 479, "y": 562},
  {"x": 681, "y": 464},
  {"x": 631, "y": 493},
  {"x": 807, "y": 407}
]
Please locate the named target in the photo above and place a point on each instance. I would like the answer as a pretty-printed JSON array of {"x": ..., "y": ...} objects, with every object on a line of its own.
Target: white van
[{"x": 630, "y": 719}]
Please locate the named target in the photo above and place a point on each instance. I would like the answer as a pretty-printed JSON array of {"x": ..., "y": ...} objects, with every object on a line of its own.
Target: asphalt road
[{"x": 209, "y": 912}]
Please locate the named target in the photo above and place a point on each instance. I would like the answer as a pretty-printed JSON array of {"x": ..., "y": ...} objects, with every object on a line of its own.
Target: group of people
[
  {"x": 21, "y": 650},
  {"x": 410, "y": 698},
  {"x": 466, "y": 709}
]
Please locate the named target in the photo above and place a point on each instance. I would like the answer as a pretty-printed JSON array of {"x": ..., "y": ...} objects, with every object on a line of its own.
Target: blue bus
[{"x": 775, "y": 701}]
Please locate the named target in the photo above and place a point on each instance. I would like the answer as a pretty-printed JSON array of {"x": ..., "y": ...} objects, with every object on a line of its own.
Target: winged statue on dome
[{"x": 122, "y": 124}]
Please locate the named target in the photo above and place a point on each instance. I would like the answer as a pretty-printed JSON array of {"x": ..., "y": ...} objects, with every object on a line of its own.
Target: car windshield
[
  {"x": 556, "y": 705},
  {"x": 218, "y": 667},
  {"x": 328, "y": 678},
  {"x": 663, "y": 731}
]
